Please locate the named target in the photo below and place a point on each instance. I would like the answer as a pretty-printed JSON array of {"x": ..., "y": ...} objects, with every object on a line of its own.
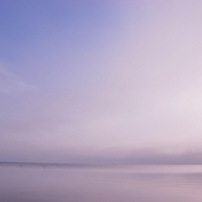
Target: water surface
[{"x": 100, "y": 184}]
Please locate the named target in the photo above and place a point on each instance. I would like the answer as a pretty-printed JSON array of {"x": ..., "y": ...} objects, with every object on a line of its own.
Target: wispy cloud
[{"x": 11, "y": 83}]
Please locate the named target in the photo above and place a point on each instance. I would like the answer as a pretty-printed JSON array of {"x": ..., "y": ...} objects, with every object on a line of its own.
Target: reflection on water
[{"x": 104, "y": 184}]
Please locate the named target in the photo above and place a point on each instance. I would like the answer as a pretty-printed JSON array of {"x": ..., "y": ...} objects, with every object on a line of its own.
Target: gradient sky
[{"x": 90, "y": 78}]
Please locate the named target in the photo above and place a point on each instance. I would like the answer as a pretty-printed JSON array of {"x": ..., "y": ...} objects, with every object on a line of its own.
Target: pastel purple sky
[{"x": 98, "y": 78}]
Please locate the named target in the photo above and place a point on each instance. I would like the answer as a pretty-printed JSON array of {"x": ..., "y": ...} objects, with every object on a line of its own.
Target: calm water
[{"x": 105, "y": 184}]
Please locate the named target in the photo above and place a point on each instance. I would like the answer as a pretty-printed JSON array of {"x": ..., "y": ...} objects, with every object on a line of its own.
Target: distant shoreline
[{"x": 88, "y": 164}]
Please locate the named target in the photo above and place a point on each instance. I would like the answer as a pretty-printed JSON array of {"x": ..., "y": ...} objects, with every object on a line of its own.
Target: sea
[{"x": 24, "y": 182}]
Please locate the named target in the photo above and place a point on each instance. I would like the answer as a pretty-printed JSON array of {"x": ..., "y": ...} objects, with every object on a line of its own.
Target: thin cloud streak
[{"x": 11, "y": 83}]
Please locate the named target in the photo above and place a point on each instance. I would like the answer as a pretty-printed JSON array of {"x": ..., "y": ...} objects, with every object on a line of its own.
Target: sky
[{"x": 104, "y": 79}]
